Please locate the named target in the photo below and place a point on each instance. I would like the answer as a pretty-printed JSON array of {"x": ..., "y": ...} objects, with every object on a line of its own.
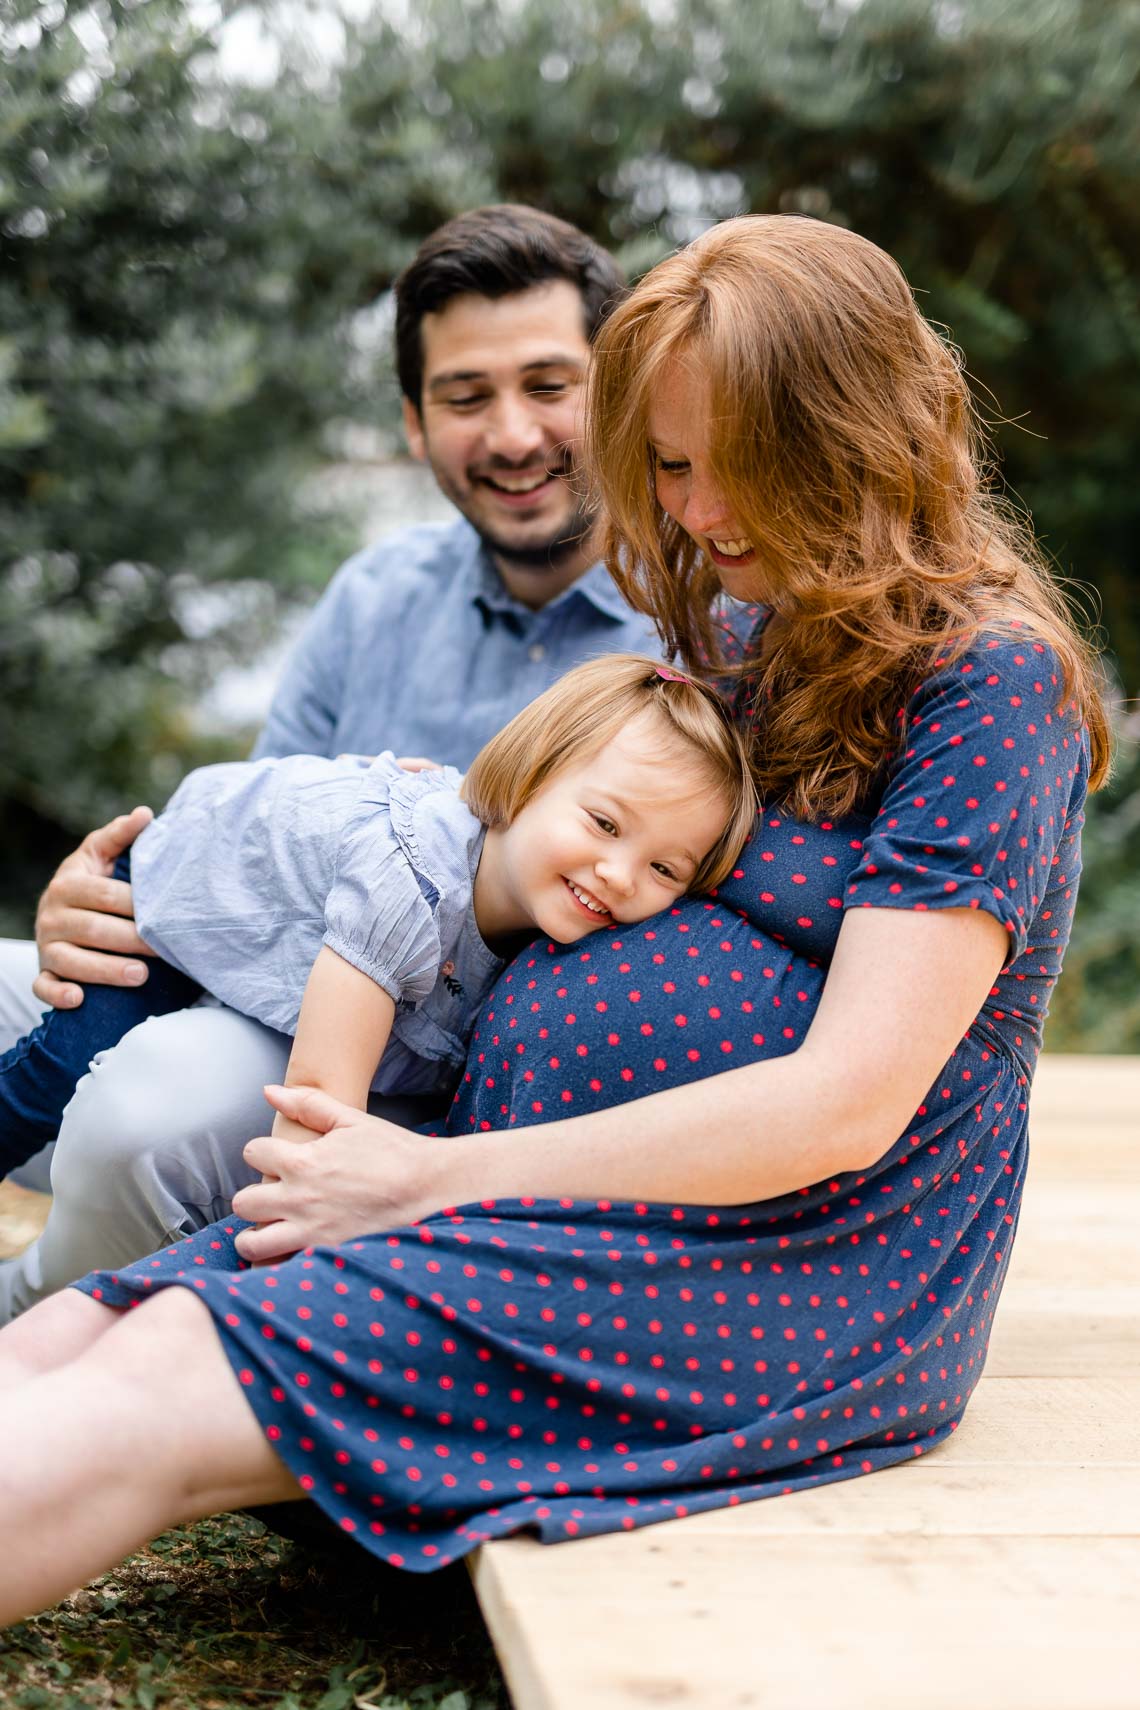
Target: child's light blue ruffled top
[{"x": 253, "y": 866}]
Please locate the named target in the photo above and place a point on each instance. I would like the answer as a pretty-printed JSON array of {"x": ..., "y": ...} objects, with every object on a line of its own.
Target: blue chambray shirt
[
  {"x": 417, "y": 646},
  {"x": 255, "y": 864}
]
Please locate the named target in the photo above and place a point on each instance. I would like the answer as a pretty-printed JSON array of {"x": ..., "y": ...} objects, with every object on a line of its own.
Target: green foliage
[
  {"x": 1096, "y": 1006},
  {"x": 223, "y": 1614},
  {"x": 181, "y": 260},
  {"x": 165, "y": 370}
]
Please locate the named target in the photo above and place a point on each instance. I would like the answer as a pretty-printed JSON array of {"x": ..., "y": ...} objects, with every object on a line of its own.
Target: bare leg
[
  {"x": 146, "y": 1428},
  {"x": 51, "y": 1335}
]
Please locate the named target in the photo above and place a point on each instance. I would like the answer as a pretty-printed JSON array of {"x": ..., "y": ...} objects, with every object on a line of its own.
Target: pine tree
[{"x": 167, "y": 360}]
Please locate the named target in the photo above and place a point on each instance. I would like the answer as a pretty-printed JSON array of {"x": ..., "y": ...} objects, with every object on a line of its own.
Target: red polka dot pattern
[{"x": 575, "y": 1367}]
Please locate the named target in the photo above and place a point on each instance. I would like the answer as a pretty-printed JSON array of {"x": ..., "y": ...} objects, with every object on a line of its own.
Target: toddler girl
[{"x": 365, "y": 910}]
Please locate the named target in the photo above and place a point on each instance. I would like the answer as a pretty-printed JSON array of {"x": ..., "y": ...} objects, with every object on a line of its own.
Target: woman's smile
[{"x": 730, "y": 554}]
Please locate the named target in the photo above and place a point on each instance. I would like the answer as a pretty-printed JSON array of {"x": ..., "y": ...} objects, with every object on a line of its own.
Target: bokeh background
[{"x": 202, "y": 207}]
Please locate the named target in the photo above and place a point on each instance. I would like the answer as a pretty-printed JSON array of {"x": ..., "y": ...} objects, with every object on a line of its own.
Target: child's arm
[{"x": 344, "y": 1025}]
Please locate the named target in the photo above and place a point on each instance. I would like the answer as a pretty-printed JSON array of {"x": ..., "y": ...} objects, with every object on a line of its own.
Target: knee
[
  {"x": 162, "y": 1362},
  {"x": 53, "y": 1333},
  {"x": 117, "y": 1114},
  {"x": 157, "y": 1342},
  {"x": 167, "y": 1112}
]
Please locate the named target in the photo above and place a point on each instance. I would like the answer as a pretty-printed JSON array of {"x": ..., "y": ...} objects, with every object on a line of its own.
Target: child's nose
[{"x": 618, "y": 875}]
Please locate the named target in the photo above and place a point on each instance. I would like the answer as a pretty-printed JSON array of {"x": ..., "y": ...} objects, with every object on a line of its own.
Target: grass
[{"x": 224, "y": 1614}]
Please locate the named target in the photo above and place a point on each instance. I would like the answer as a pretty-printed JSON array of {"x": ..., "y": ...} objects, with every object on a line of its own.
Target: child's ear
[{"x": 414, "y": 430}]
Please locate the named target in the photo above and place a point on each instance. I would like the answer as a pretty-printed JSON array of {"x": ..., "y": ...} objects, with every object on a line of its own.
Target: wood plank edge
[{"x": 508, "y": 1631}]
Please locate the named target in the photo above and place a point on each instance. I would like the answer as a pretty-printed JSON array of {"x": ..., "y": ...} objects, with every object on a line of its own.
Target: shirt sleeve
[
  {"x": 306, "y": 707},
  {"x": 376, "y": 915},
  {"x": 975, "y": 806}
]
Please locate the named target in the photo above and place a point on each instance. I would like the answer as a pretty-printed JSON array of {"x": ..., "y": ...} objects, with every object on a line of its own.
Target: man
[{"x": 426, "y": 643}]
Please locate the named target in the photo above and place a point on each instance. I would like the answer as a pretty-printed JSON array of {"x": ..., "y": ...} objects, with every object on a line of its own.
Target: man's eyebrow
[
  {"x": 460, "y": 376},
  {"x": 453, "y": 376},
  {"x": 561, "y": 360}
]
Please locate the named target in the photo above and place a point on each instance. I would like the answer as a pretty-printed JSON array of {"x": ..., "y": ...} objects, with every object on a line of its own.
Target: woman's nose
[{"x": 706, "y": 511}]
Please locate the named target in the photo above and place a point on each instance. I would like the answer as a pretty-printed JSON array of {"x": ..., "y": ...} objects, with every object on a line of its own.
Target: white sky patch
[{"x": 252, "y": 42}]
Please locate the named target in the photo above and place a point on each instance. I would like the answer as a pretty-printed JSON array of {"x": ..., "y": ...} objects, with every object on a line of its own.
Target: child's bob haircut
[{"x": 584, "y": 711}]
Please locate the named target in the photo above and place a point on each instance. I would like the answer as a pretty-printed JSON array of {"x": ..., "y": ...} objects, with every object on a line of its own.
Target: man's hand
[
  {"x": 354, "y": 1175},
  {"x": 85, "y": 927}
]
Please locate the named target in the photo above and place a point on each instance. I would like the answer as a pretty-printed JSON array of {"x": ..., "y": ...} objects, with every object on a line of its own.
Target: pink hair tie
[{"x": 670, "y": 676}]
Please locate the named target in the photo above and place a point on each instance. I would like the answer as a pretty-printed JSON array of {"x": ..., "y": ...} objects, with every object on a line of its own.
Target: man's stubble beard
[
  {"x": 543, "y": 556},
  {"x": 546, "y": 555}
]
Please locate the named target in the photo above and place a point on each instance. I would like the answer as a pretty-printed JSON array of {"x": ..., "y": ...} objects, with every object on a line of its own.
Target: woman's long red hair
[{"x": 850, "y": 454}]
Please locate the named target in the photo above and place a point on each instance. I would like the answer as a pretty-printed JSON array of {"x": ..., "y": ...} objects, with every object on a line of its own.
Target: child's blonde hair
[{"x": 584, "y": 711}]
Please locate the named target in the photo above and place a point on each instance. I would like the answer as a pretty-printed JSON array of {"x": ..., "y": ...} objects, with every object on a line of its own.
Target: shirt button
[{"x": 536, "y": 652}]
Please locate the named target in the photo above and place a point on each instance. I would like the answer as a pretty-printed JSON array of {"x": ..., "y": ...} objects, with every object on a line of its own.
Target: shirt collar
[{"x": 595, "y": 585}]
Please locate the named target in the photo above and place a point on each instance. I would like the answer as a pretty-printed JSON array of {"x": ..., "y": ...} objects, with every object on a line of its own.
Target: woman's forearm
[
  {"x": 901, "y": 991},
  {"x": 707, "y": 1144},
  {"x": 751, "y": 1134}
]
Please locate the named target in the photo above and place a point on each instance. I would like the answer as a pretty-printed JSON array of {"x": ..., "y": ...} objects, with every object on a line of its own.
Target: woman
[{"x": 713, "y": 1290}]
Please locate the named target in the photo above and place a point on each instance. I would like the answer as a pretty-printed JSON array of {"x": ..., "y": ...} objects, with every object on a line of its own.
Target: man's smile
[
  {"x": 519, "y": 487},
  {"x": 523, "y": 483}
]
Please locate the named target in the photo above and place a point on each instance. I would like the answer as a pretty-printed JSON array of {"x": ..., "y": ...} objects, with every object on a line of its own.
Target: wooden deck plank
[
  {"x": 1081, "y": 1231},
  {"x": 818, "y": 1622},
  {"x": 1002, "y": 1569},
  {"x": 1065, "y": 1420},
  {"x": 1086, "y": 1090},
  {"x": 1046, "y": 1330},
  {"x": 948, "y": 1498},
  {"x": 22, "y": 1216}
]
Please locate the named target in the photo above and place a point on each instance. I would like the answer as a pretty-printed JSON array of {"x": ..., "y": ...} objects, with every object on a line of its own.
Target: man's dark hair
[{"x": 494, "y": 252}]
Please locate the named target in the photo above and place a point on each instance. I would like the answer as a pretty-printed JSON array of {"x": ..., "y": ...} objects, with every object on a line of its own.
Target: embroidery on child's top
[{"x": 447, "y": 975}]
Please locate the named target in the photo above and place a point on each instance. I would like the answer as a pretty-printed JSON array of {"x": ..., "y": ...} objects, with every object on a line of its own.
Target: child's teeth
[{"x": 733, "y": 548}]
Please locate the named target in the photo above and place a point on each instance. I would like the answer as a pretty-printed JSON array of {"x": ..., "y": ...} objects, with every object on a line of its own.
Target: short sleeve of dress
[
  {"x": 376, "y": 915},
  {"x": 975, "y": 806}
]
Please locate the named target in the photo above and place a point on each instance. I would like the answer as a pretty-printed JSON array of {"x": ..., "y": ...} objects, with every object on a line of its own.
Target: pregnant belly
[{"x": 690, "y": 993}]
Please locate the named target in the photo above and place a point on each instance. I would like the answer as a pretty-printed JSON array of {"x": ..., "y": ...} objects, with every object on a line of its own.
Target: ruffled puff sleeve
[
  {"x": 376, "y": 915},
  {"x": 989, "y": 784}
]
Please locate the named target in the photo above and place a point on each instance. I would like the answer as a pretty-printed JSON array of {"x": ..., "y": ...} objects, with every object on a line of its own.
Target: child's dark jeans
[{"x": 41, "y": 1071}]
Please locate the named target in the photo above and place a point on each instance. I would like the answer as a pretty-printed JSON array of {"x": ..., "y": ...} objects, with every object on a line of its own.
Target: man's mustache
[{"x": 555, "y": 467}]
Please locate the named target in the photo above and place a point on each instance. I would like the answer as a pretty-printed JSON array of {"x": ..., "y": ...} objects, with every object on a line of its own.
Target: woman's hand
[{"x": 353, "y": 1175}]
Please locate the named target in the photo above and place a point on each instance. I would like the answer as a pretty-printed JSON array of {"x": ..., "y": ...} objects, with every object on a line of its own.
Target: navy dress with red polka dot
[{"x": 574, "y": 1367}]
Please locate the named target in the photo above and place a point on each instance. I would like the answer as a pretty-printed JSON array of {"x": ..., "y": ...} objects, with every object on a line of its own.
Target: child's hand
[
  {"x": 285, "y": 1129},
  {"x": 415, "y": 763}
]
